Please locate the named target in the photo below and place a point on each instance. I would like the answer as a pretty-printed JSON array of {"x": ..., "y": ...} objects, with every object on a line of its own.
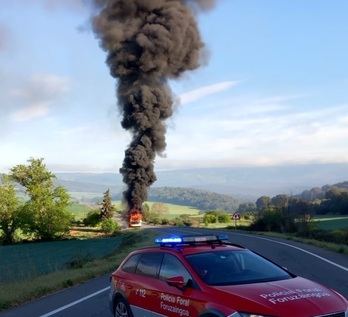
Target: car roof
[
  {"x": 192, "y": 244},
  {"x": 186, "y": 250}
]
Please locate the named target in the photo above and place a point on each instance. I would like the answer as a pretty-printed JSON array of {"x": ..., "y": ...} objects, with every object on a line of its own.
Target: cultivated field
[
  {"x": 37, "y": 269},
  {"x": 331, "y": 222},
  {"x": 28, "y": 260}
]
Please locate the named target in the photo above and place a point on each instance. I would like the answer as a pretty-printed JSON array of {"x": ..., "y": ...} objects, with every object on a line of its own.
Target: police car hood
[{"x": 292, "y": 297}]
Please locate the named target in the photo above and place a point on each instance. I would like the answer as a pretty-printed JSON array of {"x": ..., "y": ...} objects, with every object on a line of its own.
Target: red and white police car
[{"x": 208, "y": 276}]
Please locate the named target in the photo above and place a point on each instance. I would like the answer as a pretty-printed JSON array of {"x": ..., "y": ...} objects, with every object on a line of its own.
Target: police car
[{"x": 208, "y": 276}]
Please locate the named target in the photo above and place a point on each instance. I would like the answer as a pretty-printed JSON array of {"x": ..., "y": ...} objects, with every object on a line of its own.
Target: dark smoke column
[{"x": 147, "y": 42}]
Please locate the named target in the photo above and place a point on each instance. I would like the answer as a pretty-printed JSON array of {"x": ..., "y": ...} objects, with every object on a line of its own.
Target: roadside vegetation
[{"x": 297, "y": 216}]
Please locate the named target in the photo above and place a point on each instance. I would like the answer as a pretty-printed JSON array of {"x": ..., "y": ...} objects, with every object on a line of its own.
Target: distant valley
[{"x": 243, "y": 183}]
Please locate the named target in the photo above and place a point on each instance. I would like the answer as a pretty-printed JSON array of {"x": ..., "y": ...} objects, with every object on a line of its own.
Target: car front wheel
[{"x": 122, "y": 308}]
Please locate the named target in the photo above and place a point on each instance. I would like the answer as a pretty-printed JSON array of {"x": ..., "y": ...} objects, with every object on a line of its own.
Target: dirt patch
[{"x": 86, "y": 232}]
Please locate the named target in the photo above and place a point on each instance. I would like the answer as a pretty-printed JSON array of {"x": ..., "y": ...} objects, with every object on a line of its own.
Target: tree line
[
  {"x": 331, "y": 200},
  {"x": 294, "y": 214}
]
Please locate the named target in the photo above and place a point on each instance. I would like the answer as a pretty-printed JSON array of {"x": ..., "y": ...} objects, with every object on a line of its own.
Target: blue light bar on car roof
[
  {"x": 190, "y": 239},
  {"x": 169, "y": 239}
]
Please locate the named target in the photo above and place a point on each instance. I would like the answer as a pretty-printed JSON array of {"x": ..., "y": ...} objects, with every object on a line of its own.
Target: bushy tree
[
  {"x": 146, "y": 212},
  {"x": 10, "y": 210},
  {"x": 155, "y": 214},
  {"x": 275, "y": 219},
  {"x": 210, "y": 217},
  {"x": 107, "y": 209},
  {"x": 300, "y": 208},
  {"x": 281, "y": 201},
  {"x": 223, "y": 217},
  {"x": 159, "y": 209},
  {"x": 216, "y": 216},
  {"x": 335, "y": 202},
  {"x": 146, "y": 207},
  {"x": 263, "y": 202},
  {"x": 109, "y": 226},
  {"x": 92, "y": 219},
  {"x": 44, "y": 213},
  {"x": 245, "y": 207}
]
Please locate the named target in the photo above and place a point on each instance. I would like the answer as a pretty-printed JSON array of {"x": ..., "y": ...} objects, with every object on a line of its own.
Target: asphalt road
[{"x": 91, "y": 298}]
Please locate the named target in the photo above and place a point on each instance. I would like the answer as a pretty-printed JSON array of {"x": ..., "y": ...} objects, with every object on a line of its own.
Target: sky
[{"x": 271, "y": 89}]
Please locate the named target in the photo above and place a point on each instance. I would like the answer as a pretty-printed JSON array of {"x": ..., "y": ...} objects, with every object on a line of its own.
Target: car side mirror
[{"x": 177, "y": 281}]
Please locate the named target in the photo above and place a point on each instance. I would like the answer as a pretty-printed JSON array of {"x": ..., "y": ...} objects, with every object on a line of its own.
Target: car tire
[{"x": 122, "y": 308}]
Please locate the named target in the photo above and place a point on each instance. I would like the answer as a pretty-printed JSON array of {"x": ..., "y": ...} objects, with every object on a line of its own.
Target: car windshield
[{"x": 231, "y": 267}]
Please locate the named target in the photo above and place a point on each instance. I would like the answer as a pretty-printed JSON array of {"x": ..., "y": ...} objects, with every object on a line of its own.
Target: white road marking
[
  {"x": 313, "y": 254},
  {"x": 74, "y": 303}
]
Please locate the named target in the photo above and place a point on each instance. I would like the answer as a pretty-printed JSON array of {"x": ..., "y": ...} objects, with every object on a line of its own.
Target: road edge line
[{"x": 74, "y": 303}]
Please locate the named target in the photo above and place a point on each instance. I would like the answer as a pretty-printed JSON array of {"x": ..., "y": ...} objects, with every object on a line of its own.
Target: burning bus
[{"x": 135, "y": 214}]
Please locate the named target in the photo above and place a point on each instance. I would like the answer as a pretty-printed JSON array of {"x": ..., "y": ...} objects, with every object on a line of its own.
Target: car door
[
  {"x": 142, "y": 284},
  {"x": 172, "y": 300}
]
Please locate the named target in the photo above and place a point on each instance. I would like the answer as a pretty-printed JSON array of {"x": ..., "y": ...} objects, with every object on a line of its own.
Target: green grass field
[
  {"x": 331, "y": 222},
  {"x": 79, "y": 210},
  {"x": 176, "y": 210},
  {"x": 32, "y": 259},
  {"x": 85, "y": 195},
  {"x": 173, "y": 210}
]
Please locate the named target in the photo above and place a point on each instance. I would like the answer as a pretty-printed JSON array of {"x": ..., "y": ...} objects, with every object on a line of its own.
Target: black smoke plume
[{"x": 147, "y": 42}]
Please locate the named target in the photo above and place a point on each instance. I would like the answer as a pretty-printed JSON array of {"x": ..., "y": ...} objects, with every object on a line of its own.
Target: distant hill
[
  {"x": 79, "y": 186},
  {"x": 245, "y": 183},
  {"x": 320, "y": 192},
  {"x": 201, "y": 199}
]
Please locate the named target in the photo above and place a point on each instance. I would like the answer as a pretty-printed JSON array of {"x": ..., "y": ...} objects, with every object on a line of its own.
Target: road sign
[{"x": 236, "y": 216}]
